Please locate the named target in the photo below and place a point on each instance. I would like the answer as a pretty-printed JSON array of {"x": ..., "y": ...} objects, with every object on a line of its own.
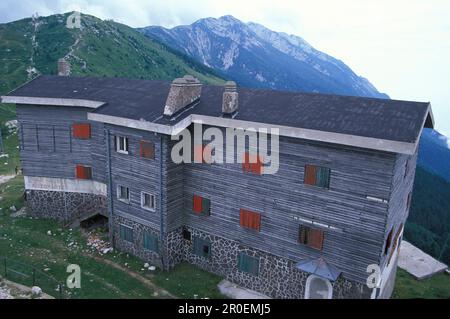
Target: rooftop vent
[
  {"x": 183, "y": 92},
  {"x": 230, "y": 98},
  {"x": 63, "y": 67}
]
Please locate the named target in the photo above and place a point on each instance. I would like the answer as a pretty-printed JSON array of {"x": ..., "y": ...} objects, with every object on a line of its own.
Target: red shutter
[
  {"x": 315, "y": 239},
  {"x": 83, "y": 172},
  {"x": 202, "y": 154},
  {"x": 310, "y": 174},
  {"x": 147, "y": 149},
  {"x": 81, "y": 130},
  {"x": 250, "y": 219},
  {"x": 197, "y": 206},
  {"x": 252, "y": 163}
]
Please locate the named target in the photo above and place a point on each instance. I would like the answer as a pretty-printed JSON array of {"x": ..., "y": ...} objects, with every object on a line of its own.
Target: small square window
[
  {"x": 248, "y": 264},
  {"x": 186, "y": 234},
  {"x": 202, "y": 247},
  {"x": 148, "y": 201},
  {"x": 311, "y": 237},
  {"x": 122, "y": 144},
  {"x": 317, "y": 176},
  {"x": 147, "y": 149},
  {"x": 123, "y": 193},
  {"x": 126, "y": 233}
]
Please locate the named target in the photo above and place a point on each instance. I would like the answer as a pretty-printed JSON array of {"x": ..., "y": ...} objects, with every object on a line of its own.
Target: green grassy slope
[
  {"x": 98, "y": 48},
  {"x": 406, "y": 286}
]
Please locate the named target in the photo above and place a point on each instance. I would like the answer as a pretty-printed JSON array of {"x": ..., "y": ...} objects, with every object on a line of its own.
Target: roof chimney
[
  {"x": 183, "y": 92},
  {"x": 63, "y": 67},
  {"x": 230, "y": 98}
]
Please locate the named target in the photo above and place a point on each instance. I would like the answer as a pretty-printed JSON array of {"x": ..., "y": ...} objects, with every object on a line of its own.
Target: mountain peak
[{"x": 255, "y": 56}]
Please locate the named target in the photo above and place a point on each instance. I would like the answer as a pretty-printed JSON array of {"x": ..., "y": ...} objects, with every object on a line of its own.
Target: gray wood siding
[
  {"x": 173, "y": 182},
  {"x": 355, "y": 174},
  {"x": 138, "y": 174},
  {"x": 47, "y": 147},
  {"x": 402, "y": 185}
]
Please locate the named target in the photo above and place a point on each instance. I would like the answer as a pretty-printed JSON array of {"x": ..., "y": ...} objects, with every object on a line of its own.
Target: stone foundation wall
[
  {"x": 278, "y": 277},
  {"x": 65, "y": 207},
  {"x": 136, "y": 247}
]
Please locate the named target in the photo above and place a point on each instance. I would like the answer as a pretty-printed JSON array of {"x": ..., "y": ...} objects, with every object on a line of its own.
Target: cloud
[{"x": 401, "y": 46}]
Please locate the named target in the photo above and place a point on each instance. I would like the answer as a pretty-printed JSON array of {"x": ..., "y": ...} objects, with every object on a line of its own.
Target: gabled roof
[{"x": 382, "y": 124}]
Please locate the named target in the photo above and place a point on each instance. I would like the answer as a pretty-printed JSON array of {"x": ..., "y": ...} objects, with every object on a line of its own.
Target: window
[
  {"x": 248, "y": 264},
  {"x": 311, "y": 237},
  {"x": 406, "y": 168},
  {"x": 123, "y": 193},
  {"x": 148, "y": 201},
  {"x": 186, "y": 234},
  {"x": 151, "y": 242},
  {"x": 122, "y": 144},
  {"x": 83, "y": 172},
  {"x": 250, "y": 219},
  {"x": 81, "y": 130},
  {"x": 202, "y": 247},
  {"x": 317, "y": 176},
  {"x": 318, "y": 288},
  {"x": 126, "y": 233},
  {"x": 252, "y": 163},
  {"x": 395, "y": 242},
  {"x": 388, "y": 242},
  {"x": 147, "y": 149},
  {"x": 202, "y": 154},
  {"x": 201, "y": 205}
]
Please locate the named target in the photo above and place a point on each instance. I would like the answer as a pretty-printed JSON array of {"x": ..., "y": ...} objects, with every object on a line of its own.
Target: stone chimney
[
  {"x": 183, "y": 92},
  {"x": 230, "y": 98},
  {"x": 63, "y": 67}
]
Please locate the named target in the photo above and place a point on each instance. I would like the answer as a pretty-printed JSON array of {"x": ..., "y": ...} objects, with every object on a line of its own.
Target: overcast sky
[{"x": 401, "y": 46}]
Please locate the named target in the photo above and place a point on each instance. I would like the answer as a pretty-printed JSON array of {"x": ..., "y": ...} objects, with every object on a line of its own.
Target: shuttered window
[
  {"x": 202, "y": 247},
  {"x": 147, "y": 149},
  {"x": 388, "y": 242},
  {"x": 83, "y": 172},
  {"x": 126, "y": 233},
  {"x": 317, "y": 176},
  {"x": 201, "y": 205},
  {"x": 311, "y": 237},
  {"x": 202, "y": 154},
  {"x": 252, "y": 163},
  {"x": 81, "y": 130},
  {"x": 151, "y": 242},
  {"x": 395, "y": 242},
  {"x": 249, "y": 219},
  {"x": 248, "y": 264}
]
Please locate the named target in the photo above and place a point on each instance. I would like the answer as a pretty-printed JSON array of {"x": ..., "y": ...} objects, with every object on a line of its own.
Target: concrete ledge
[
  {"x": 418, "y": 263},
  {"x": 65, "y": 185},
  {"x": 233, "y": 291}
]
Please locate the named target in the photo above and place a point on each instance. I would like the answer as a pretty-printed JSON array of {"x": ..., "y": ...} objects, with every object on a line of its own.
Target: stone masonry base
[
  {"x": 278, "y": 277},
  {"x": 65, "y": 207}
]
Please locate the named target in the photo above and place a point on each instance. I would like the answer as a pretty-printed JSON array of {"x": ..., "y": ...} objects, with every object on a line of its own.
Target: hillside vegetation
[
  {"x": 428, "y": 223},
  {"x": 33, "y": 46}
]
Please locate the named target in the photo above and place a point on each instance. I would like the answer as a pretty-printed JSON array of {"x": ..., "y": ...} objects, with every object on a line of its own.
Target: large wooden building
[{"x": 336, "y": 204}]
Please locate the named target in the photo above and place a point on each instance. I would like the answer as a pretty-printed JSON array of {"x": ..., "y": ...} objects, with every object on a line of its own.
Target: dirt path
[
  {"x": 161, "y": 292},
  {"x": 6, "y": 178}
]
